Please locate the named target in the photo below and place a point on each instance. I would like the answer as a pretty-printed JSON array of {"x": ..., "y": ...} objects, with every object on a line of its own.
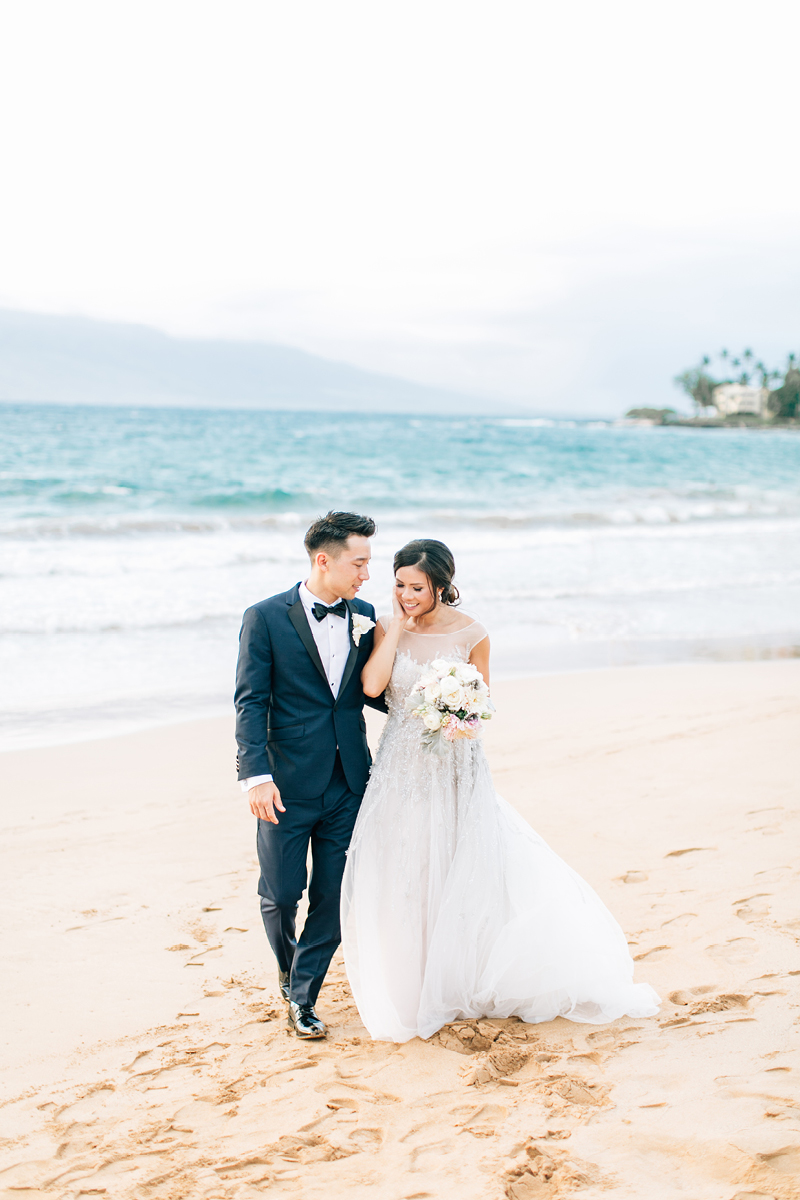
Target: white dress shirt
[{"x": 332, "y": 638}]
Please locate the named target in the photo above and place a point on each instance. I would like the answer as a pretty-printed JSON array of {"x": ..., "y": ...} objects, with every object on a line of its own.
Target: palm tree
[
  {"x": 698, "y": 384},
  {"x": 784, "y": 402}
]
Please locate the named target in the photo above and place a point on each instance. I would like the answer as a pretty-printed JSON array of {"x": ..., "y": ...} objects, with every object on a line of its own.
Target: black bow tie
[{"x": 335, "y": 610}]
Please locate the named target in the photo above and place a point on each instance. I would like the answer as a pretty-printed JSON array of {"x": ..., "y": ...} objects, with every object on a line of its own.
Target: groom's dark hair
[{"x": 332, "y": 531}]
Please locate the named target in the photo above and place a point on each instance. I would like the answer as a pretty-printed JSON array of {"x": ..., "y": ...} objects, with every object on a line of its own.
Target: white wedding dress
[{"x": 452, "y": 906}]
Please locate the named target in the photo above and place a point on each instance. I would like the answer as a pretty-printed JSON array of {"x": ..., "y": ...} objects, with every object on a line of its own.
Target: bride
[{"x": 452, "y": 906}]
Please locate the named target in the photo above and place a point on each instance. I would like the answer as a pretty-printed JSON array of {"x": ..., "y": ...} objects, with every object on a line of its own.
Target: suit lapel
[
  {"x": 353, "y": 655},
  {"x": 298, "y": 618}
]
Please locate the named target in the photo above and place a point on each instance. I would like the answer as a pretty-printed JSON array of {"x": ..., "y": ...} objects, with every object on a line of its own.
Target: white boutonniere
[{"x": 361, "y": 624}]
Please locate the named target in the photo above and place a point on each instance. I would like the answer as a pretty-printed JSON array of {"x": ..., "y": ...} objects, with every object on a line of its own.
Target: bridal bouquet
[{"x": 451, "y": 700}]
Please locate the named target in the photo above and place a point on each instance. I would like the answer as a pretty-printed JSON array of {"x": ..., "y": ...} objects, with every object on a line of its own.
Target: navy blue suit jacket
[{"x": 288, "y": 722}]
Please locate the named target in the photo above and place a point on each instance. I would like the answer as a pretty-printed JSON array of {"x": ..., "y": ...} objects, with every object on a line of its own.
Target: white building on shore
[{"x": 731, "y": 399}]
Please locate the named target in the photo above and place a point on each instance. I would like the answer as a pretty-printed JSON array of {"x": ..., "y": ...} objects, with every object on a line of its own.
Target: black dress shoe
[
  {"x": 305, "y": 1022},
  {"x": 283, "y": 984}
]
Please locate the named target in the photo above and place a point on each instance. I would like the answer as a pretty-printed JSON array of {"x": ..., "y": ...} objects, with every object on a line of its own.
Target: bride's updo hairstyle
[{"x": 434, "y": 560}]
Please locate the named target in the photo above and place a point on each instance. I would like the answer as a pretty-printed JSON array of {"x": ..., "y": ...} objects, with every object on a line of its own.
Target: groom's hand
[{"x": 264, "y": 799}]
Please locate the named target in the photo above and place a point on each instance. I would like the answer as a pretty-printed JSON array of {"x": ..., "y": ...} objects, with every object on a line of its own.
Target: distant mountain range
[{"x": 75, "y": 360}]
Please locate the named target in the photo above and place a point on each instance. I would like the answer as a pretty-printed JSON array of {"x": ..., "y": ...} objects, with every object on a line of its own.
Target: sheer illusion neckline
[{"x": 444, "y": 634}]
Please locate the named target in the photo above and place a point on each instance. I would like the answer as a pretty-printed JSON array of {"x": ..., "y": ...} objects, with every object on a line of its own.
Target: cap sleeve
[
  {"x": 385, "y": 621},
  {"x": 477, "y": 633}
]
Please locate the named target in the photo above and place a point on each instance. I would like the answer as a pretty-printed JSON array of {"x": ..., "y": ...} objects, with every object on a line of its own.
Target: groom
[{"x": 302, "y": 756}]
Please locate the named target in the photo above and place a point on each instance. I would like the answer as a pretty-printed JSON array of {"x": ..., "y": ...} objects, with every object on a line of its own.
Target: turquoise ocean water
[{"x": 131, "y": 541}]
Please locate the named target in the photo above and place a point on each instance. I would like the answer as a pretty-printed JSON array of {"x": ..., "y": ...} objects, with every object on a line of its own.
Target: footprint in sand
[
  {"x": 603, "y": 1039},
  {"x": 750, "y": 910},
  {"x": 308, "y": 1149},
  {"x": 686, "y": 996},
  {"x": 337, "y": 1116},
  {"x": 428, "y": 1157},
  {"x": 365, "y": 1093},
  {"x": 346, "y": 1102},
  {"x": 251, "y": 1167},
  {"x": 681, "y": 921},
  {"x": 737, "y": 950},
  {"x": 587, "y": 1058},
  {"x": 204, "y": 1117},
  {"x": 97, "y": 1102},
  {"x": 719, "y": 1003},
  {"x": 579, "y": 1092},
  {"x": 479, "y": 1120},
  {"x": 773, "y": 874},
  {"x": 612, "y": 1040},
  {"x": 653, "y": 955},
  {"x": 688, "y": 850},
  {"x": 367, "y": 1138},
  {"x": 139, "y": 1171}
]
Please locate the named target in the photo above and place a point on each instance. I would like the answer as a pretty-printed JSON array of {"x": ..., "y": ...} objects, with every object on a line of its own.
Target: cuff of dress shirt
[{"x": 254, "y": 782}]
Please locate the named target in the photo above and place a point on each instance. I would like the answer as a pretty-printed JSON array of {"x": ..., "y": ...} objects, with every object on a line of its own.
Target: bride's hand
[{"x": 398, "y": 612}]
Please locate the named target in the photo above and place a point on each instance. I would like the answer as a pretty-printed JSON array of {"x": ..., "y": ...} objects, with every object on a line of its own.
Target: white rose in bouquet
[
  {"x": 432, "y": 720},
  {"x": 467, "y": 673},
  {"x": 449, "y": 687},
  {"x": 432, "y": 693}
]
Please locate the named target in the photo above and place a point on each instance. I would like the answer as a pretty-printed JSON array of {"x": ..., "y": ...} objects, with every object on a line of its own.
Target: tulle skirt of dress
[{"x": 453, "y": 907}]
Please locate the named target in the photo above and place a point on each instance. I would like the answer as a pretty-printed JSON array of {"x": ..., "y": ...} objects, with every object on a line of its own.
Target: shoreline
[
  {"x": 564, "y": 659},
  {"x": 515, "y": 414},
  {"x": 146, "y": 1045}
]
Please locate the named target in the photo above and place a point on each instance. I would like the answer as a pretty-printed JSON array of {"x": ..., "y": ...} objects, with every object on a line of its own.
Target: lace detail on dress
[
  {"x": 414, "y": 652},
  {"x": 403, "y": 767}
]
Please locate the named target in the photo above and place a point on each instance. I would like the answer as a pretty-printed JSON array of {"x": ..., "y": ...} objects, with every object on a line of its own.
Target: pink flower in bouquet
[
  {"x": 449, "y": 729},
  {"x": 454, "y": 727}
]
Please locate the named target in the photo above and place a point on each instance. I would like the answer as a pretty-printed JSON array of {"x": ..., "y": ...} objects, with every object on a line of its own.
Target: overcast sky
[{"x": 562, "y": 203}]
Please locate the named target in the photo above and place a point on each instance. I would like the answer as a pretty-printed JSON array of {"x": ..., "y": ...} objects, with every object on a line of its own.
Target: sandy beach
[{"x": 146, "y": 1051}]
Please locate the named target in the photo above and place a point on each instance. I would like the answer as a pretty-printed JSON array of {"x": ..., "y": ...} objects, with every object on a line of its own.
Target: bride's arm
[
  {"x": 479, "y": 658},
  {"x": 378, "y": 668}
]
